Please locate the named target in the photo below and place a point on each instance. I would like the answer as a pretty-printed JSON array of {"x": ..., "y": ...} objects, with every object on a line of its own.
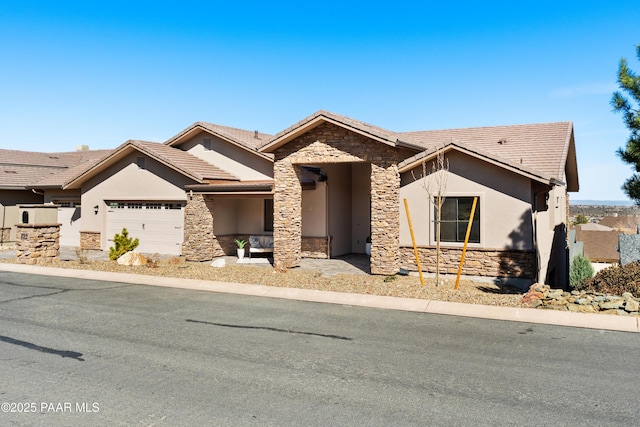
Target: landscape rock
[
  {"x": 542, "y": 296},
  {"x": 220, "y": 262},
  {"x": 132, "y": 258}
]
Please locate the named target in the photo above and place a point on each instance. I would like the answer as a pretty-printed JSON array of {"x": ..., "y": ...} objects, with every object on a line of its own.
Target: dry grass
[{"x": 396, "y": 286}]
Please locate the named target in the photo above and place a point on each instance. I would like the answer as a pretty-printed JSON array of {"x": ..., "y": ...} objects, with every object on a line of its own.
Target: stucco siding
[
  {"x": 314, "y": 211},
  {"x": 125, "y": 181},
  {"x": 236, "y": 160},
  {"x": 504, "y": 204}
]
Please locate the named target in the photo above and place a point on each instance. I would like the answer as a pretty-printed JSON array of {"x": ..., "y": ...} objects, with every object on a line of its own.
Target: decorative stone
[
  {"x": 220, "y": 262},
  {"x": 632, "y": 305},
  {"x": 132, "y": 258},
  {"x": 614, "y": 303}
]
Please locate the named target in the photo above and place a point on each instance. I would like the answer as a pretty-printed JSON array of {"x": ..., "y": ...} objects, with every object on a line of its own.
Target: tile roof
[
  {"x": 628, "y": 223},
  {"x": 376, "y": 132},
  {"x": 542, "y": 147},
  {"x": 20, "y": 169},
  {"x": 246, "y": 139},
  {"x": 179, "y": 160},
  {"x": 599, "y": 246},
  {"x": 183, "y": 161}
]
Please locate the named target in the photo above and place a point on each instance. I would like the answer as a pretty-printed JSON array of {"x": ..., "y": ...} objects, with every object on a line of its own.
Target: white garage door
[
  {"x": 70, "y": 223},
  {"x": 158, "y": 225}
]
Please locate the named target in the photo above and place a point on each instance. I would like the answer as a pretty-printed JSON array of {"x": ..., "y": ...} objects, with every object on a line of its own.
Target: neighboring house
[
  {"x": 627, "y": 224},
  {"x": 323, "y": 186},
  {"x": 19, "y": 170},
  {"x": 600, "y": 244}
]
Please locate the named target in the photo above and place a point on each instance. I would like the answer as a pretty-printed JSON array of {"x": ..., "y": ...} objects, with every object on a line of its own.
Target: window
[
  {"x": 153, "y": 206},
  {"x": 173, "y": 206},
  {"x": 455, "y": 218},
  {"x": 268, "y": 214},
  {"x": 134, "y": 205}
]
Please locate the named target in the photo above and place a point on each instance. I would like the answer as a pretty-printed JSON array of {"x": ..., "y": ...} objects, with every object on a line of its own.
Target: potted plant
[
  {"x": 241, "y": 244},
  {"x": 368, "y": 246}
]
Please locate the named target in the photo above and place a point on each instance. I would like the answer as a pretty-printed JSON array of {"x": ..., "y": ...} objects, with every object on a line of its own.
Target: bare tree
[{"x": 434, "y": 182}]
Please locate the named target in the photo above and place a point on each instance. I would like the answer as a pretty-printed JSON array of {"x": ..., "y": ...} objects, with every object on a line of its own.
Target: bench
[{"x": 260, "y": 245}]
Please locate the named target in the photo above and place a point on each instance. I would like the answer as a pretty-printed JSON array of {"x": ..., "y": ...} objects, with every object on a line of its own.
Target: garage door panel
[{"x": 158, "y": 230}]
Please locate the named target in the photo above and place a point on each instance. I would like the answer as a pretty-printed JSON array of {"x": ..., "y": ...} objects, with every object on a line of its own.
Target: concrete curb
[{"x": 514, "y": 314}]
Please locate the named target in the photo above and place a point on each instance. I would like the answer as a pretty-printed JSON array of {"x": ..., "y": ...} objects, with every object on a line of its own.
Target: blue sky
[{"x": 99, "y": 73}]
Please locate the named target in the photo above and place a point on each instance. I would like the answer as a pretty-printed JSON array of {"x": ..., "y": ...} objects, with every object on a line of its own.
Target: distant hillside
[
  {"x": 596, "y": 211},
  {"x": 602, "y": 202}
]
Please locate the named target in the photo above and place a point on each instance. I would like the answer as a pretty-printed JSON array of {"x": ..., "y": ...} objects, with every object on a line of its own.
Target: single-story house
[{"x": 328, "y": 184}]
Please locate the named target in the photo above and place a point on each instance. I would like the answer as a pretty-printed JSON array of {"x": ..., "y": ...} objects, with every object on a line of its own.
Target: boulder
[
  {"x": 132, "y": 258},
  {"x": 220, "y": 262}
]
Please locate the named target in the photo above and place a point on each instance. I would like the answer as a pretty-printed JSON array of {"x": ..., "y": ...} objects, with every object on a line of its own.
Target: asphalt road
[{"x": 77, "y": 352}]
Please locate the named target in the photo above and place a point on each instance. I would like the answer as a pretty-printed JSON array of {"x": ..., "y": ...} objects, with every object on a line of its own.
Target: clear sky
[{"x": 99, "y": 73}]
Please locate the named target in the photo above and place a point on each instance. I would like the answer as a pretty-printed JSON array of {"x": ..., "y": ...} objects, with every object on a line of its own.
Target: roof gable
[
  {"x": 473, "y": 151},
  {"x": 305, "y": 125},
  {"x": 247, "y": 140},
  {"x": 547, "y": 148},
  {"x": 174, "y": 158}
]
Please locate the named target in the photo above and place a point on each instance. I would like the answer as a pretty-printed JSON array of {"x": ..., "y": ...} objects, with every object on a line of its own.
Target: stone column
[
  {"x": 287, "y": 214},
  {"x": 385, "y": 218},
  {"x": 37, "y": 243},
  {"x": 198, "y": 244}
]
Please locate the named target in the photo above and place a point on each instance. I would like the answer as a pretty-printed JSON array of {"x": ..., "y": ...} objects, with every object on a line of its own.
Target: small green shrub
[
  {"x": 122, "y": 244},
  {"x": 617, "y": 280},
  {"x": 240, "y": 243},
  {"x": 580, "y": 271}
]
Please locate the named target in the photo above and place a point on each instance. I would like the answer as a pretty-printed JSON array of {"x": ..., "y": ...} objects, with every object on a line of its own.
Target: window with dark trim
[
  {"x": 455, "y": 218},
  {"x": 268, "y": 214}
]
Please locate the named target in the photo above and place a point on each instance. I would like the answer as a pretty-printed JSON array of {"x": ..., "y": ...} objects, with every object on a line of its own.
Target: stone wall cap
[{"x": 38, "y": 225}]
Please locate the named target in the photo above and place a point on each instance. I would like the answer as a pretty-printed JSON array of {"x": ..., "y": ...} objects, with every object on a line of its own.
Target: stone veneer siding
[
  {"x": 315, "y": 247},
  {"x": 37, "y": 244},
  {"x": 326, "y": 144},
  {"x": 90, "y": 240},
  {"x": 477, "y": 262},
  {"x": 200, "y": 244},
  {"x": 5, "y": 234}
]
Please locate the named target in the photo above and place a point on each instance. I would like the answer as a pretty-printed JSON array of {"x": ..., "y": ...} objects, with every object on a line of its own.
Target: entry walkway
[{"x": 348, "y": 264}]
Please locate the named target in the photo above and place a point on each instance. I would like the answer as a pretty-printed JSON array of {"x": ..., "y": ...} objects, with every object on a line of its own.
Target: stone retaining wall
[
  {"x": 90, "y": 240},
  {"x": 478, "y": 262},
  {"x": 37, "y": 244}
]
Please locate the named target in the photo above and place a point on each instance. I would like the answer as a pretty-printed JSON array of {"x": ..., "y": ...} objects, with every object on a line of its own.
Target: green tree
[
  {"x": 122, "y": 244},
  {"x": 580, "y": 219},
  {"x": 629, "y": 84},
  {"x": 580, "y": 271}
]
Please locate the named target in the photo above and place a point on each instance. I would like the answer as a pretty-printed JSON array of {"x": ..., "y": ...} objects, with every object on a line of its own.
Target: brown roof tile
[
  {"x": 20, "y": 169},
  {"x": 187, "y": 163},
  {"x": 599, "y": 246},
  {"x": 542, "y": 147}
]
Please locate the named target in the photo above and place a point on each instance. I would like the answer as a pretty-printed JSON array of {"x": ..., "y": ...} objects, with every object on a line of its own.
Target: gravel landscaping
[{"x": 486, "y": 293}]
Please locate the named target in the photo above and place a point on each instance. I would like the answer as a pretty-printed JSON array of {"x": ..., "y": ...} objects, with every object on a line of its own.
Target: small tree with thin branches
[{"x": 434, "y": 183}]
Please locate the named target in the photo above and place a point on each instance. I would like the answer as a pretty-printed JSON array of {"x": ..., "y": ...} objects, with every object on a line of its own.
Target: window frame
[{"x": 479, "y": 211}]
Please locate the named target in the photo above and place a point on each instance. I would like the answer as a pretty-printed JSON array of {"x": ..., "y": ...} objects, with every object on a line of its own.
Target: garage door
[
  {"x": 158, "y": 225},
  {"x": 70, "y": 223}
]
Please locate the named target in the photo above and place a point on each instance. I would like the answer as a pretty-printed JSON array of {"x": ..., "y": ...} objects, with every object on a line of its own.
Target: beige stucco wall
[
  {"x": 504, "y": 197},
  {"x": 551, "y": 238},
  {"x": 360, "y": 206},
  {"x": 154, "y": 182},
  {"x": 314, "y": 211},
  {"x": 238, "y": 161},
  {"x": 238, "y": 216}
]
